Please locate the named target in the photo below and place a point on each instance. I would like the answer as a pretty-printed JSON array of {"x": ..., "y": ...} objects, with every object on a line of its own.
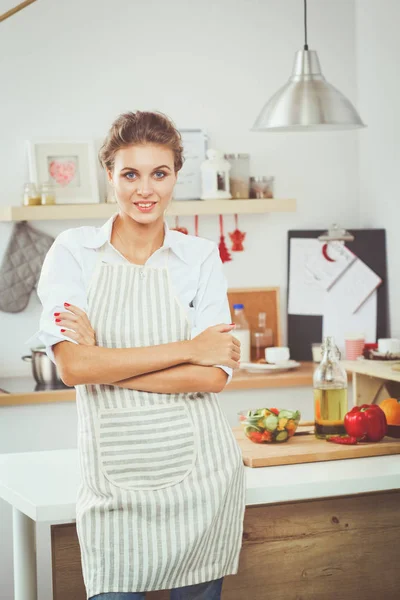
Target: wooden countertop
[
  {"x": 303, "y": 376},
  {"x": 374, "y": 368},
  {"x": 23, "y": 388}
]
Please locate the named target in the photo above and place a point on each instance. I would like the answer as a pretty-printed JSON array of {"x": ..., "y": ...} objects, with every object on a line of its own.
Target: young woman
[{"x": 136, "y": 317}]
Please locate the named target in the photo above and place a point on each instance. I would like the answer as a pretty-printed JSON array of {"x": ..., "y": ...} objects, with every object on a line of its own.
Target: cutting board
[{"x": 306, "y": 449}]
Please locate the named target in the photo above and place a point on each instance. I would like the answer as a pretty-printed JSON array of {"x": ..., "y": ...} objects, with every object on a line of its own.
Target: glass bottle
[
  {"x": 330, "y": 392},
  {"x": 262, "y": 337},
  {"x": 31, "y": 195},
  {"x": 241, "y": 331}
]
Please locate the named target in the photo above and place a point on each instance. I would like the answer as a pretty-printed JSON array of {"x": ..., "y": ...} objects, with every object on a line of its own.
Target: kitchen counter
[
  {"x": 24, "y": 390},
  {"x": 42, "y": 487}
]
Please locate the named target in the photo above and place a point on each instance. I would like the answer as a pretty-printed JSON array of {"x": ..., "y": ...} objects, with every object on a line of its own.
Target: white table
[{"x": 42, "y": 487}]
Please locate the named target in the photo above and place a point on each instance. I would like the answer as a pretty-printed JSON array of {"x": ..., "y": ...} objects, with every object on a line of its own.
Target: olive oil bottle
[{"x": 330, "y": 392}]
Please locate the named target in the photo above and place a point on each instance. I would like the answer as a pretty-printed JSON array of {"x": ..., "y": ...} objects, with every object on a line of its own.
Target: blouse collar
[{"x": 172, "y": 239}]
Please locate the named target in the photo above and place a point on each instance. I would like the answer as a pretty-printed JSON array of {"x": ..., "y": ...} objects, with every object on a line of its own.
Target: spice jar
[
  {"x": 261, "y": 187},
  {"x": 48, "y": 193},
  {"x": 31, "y": 195},
  {"x": 239, "y": 177}
]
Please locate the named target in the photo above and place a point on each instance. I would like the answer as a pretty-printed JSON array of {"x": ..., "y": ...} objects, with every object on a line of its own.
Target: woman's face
[{"x": 143, "y": 180}]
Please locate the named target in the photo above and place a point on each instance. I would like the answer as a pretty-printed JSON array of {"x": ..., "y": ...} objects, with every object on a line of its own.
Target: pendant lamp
[
  {"x": 307, "y": 102},
  {"x": 16, "y": 9}
]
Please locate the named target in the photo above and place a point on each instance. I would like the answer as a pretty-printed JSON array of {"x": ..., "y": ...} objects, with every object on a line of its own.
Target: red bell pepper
[{"x": 366, "y": 422}]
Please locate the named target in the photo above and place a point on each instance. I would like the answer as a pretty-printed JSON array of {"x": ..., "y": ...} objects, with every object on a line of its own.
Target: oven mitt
[{"x": 21, "y": 266}]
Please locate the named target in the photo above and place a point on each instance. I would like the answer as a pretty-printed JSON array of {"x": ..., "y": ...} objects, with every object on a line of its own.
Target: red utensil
[
  {"x": 237, "y": 238},
  {"x": 223, "y": 250},
  {"x": 181, "y": 229}
]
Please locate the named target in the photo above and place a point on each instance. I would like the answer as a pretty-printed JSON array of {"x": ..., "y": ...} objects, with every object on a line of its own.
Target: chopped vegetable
[
  {"x": 271, "y": 422},
  {"x": 288, "y": 414},
  {"x": 282, "y": 423},
  {"x": 256, "y": 436},
  {"x": 282, "y": 436},
  {"x": 348, "y": 440}
]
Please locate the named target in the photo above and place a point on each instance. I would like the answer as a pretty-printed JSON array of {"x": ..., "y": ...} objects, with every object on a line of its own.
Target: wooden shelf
[
  {"x": 373, "y": 380},
  {"x": 104, "y": 210}
]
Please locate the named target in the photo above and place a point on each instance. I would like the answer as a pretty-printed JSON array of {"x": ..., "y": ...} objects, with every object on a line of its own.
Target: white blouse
[{"x": 194, "y": 266}]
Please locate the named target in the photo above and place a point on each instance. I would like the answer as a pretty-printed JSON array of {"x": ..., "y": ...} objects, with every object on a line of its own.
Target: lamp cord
[{"x": 305, "y": 25}]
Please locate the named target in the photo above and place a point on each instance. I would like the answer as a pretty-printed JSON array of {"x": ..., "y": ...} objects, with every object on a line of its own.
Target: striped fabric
[
  {"x": 146, "y": 448},
  {"x": 162, "y": 495}
]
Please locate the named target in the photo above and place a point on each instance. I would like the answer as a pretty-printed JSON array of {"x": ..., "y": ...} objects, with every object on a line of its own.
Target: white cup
[
  {"x": 277, "y": 355},
  {"x": 388, "y": 346},
  {"x": 316, "y": 352}
]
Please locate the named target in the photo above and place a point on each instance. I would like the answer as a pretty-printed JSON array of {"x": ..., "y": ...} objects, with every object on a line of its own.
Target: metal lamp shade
[{"x": 307, "y": 102}]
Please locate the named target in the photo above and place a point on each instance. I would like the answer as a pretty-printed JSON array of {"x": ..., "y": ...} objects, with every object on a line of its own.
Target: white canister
[{"x": 215, "y": 177}]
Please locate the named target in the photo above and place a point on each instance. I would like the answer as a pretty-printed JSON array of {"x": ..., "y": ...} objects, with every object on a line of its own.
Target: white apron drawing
[{"x": 162, "y": 495}]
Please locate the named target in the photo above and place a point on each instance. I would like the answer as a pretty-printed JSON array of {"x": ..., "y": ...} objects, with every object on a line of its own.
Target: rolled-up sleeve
[
  {"x": 60, "y": 281},
  {"x": 211, "y": 300}
]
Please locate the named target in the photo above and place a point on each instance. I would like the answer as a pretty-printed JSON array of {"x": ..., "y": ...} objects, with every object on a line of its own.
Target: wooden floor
[{"x": 335, "y": 549}]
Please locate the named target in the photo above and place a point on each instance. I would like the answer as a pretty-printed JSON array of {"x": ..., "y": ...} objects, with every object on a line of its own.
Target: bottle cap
[{"x": 238, "y": 306}]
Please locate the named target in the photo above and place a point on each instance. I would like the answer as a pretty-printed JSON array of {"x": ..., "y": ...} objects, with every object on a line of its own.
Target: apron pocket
[{"x": 146, "y": 447}]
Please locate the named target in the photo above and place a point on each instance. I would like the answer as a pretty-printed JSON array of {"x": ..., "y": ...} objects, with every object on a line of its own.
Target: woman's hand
[
  {"x": 77, "y": 321},
  {"x": 215, "y": 347}
]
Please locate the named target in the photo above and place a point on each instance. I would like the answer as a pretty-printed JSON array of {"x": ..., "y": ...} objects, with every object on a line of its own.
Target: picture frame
[
  {"x": 69, "y": 165},
  {"x": 188, "y": 185}
]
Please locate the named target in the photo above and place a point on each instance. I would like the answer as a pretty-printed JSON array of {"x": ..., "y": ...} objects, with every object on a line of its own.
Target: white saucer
[{"x": 269, "y": 368}]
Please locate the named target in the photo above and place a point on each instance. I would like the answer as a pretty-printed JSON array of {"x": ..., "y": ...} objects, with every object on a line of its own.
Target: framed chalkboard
[{"x": 370, "y": 246}]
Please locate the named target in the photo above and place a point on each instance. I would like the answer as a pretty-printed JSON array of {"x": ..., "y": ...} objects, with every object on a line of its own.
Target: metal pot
[{"x": 43, "y": 369}]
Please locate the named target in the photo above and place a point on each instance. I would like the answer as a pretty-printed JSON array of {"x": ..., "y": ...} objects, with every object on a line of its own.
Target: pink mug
[{"x": 354, "y": 348}]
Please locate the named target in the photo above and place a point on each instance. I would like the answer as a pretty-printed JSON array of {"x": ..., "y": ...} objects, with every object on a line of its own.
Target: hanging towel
[{"x": 21, "y": 266}]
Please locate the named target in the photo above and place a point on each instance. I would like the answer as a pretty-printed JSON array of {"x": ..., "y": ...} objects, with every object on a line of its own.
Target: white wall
[
  {"x": 378, "y": 53},
  {"x": 68, "y": 68}
]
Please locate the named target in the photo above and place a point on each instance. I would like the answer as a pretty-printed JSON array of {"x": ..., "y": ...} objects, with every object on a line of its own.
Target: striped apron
[{"x": 162, "y": 494}]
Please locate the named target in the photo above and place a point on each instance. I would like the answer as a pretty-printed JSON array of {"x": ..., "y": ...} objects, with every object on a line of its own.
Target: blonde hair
[{"x": 140, "y": 128}]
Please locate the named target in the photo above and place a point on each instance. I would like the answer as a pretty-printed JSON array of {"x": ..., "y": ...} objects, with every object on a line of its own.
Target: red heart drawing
[{"x": 62, "y": 172}]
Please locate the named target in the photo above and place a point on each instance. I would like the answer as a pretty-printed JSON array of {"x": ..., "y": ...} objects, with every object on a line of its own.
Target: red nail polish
[
  {"x": 62, "y": 330},
  {"x": 58, "y": 320},
  {"x": 66, "y": 304},
  {"x": 56, "y": 314}
]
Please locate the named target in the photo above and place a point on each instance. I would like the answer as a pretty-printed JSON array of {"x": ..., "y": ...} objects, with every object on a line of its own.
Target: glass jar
[
  {"x": 239, "y": 178},
  {"x": 261, "y": 187},
  {"x": 330, "y": 392},
  {"x": 31, "y": 195},
  {"x": 48, "y": 193},
  {"x": 261, "y": 338}
]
